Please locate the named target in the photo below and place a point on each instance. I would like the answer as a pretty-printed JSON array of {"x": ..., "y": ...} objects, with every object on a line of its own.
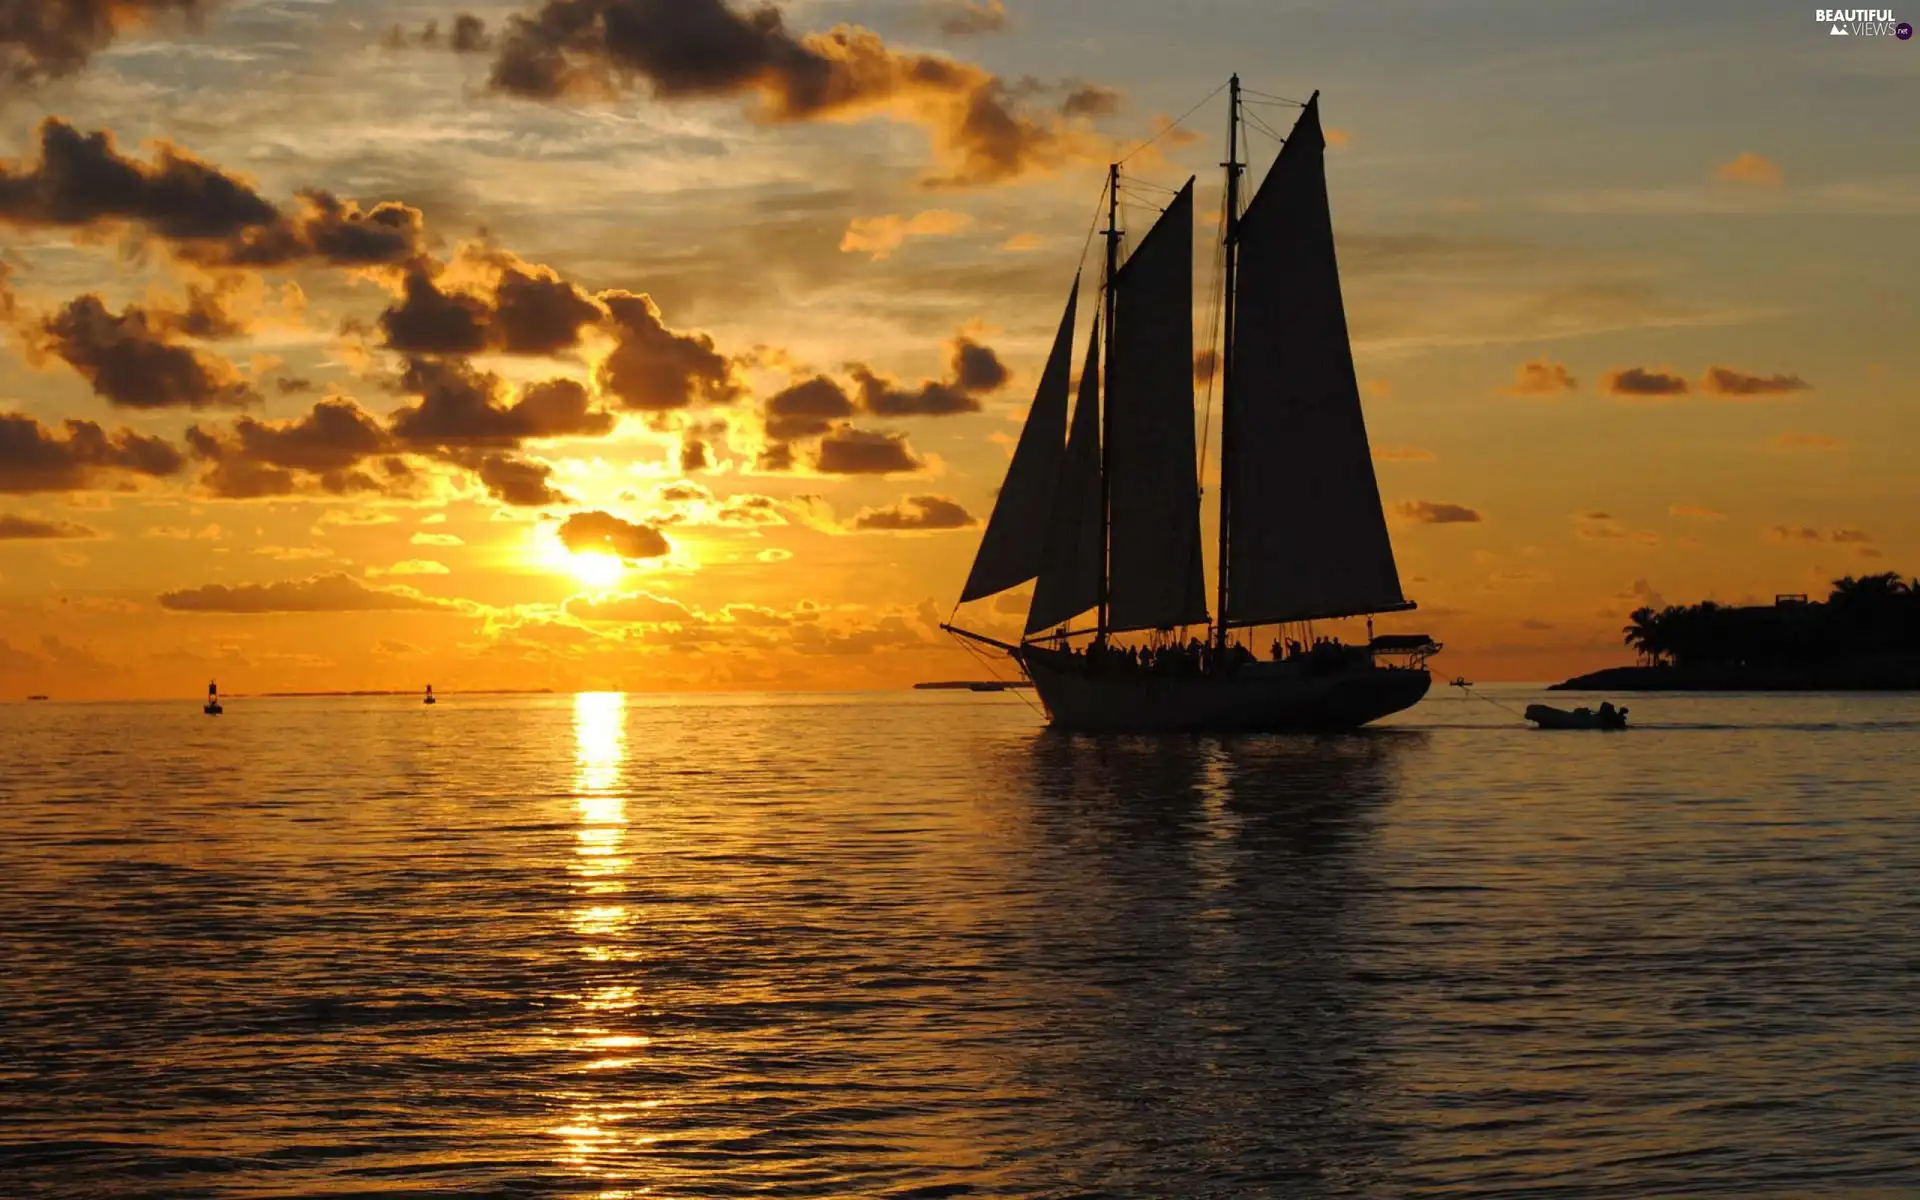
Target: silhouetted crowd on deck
[{"x": 1196, "y": 658}]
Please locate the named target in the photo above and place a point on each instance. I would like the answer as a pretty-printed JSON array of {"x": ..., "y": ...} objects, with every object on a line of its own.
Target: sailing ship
[{"x": 1104, "y": 516}]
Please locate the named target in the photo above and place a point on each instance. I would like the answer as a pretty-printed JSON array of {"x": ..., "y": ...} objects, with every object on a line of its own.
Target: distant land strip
[
  {"x": 410, "y": 692},
  {"x": 1875, "y": 674}
]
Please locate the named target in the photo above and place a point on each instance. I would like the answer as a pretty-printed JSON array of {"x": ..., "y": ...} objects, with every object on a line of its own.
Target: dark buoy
[
  {"x": 430, "y": 699},
  {"x": 213, "y": 708}
]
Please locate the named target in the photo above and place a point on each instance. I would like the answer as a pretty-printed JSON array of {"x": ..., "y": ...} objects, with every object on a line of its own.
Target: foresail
[
  {"x": 1010, "y": 549},
  {"x": 1153, "y": 484},
  {"x": 1309, "y": 538},
  {"x": 1071, "y": 564}
]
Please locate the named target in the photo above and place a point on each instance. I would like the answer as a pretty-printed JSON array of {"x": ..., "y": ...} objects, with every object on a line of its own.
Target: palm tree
[
  {"x": 1644, "y": 634},
  {"x": 1869, "y": 591}
]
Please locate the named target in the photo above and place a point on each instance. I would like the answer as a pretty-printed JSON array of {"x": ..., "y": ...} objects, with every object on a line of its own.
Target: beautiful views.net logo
[{"x": 1862, "y": 22}]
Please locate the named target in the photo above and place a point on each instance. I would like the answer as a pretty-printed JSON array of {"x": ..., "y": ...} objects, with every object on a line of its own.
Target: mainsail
[
  {"x": 1073, "y": 561},
  {"x": 1309, "y": 539},
  {"x": 1153, "y": 485},
  {"x": 1010, "y": 550}
]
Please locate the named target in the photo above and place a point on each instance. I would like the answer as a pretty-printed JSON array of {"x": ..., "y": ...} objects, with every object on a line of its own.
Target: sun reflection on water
[{"x": 592, "y": 1139}]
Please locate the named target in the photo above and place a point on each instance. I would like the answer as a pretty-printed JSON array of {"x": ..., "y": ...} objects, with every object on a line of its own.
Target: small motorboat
[{"x": 1548, "y": 717}]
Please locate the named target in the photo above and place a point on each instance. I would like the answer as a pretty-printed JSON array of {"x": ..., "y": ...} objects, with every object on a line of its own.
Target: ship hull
[{"x": 1260, "y": 698}]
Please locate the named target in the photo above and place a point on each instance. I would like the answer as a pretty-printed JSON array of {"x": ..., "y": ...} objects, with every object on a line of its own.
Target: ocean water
[{"x": 913, "y": 946}]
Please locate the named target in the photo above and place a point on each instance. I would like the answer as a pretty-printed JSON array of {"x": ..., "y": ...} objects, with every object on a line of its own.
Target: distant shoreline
[
  {"x": 411, "y": 692},
  {"x": 1901, "y": 674}
]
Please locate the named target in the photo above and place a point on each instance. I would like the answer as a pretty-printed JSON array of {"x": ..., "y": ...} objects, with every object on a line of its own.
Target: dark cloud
[
  {"x": 324, "y": 228},
  {"x": 1543, "y": 377},
  {"x": 332, "y": 442},
  {"x": 976, "y": 368},
  {"x": 14, "y": 528},
  {"x": 518, "y": 481},
  {"x": 885, "y": 397},
  {"x": 132, "y": 361},
  {"x": 209, "y": 315},
  {"x": 807, "y": 409},
  {"x": 532, "y": 311},
  {"x": 1426, "y": 512},
  {"x": 916, "y": 513},
  {"x": 212, "y": 217},
  {"x": 775, "y": 457},
  {"x": 1858, "y": 538},
  {"x": 654, "y": 369},
  {"x": 430, "y": 321},
  {"x": 969, "y": 18},
  {"x": 35, "y": 459},
  {"x": 469, "y": 35},
  {"x": 850, "y": 451},
  {"x": 81, "y": 179},
  {"x": 1725, "y": 381},
  {"x": 460, "y": 406},
  {"x": 705, "y": 48},
  {"x": 1795, "y": 533},
  {"x": 693, "y": 456},
  {"x": 749, "y": 511},
  {"x": 1091, "y": 100},
  {"x": 323, "y": 593},
  {"x": 48, "y": 39},
  {"x": 538, "y": 313},
  {"x": 603, "y": 533},
  {"x": 1637, "y": 381},
  {"x": 291, "y": 386},
  {"x": 235, "y": 478}
]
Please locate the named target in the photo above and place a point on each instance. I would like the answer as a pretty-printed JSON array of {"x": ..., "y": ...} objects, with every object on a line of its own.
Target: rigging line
[
  {"x": 1270, "y": 98},
  {"x": 1093, "y": 227},
  {"x": 1134, "y": 181},
  {"x": 987, "y": 664},
  {"x": 1216, "y": 305},
  {"x": 1173, "y": 124},
  {"x": 1468, "y": 689},
  {"x": 1158, "y": 204},
  {"x": 1263, "y": 127}
]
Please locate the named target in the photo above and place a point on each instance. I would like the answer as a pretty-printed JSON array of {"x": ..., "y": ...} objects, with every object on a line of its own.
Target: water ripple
[{"x": 913, "y": 947}]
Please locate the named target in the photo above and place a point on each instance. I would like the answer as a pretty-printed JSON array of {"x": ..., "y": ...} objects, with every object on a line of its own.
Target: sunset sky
[{"x": 330, "y": 325}]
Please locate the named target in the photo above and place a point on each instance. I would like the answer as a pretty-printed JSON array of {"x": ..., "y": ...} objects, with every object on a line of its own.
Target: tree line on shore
[{"x": 1872, "y": 615}]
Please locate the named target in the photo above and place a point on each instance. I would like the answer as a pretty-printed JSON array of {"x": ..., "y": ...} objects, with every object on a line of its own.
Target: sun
[{"x": 596, "y": 570}]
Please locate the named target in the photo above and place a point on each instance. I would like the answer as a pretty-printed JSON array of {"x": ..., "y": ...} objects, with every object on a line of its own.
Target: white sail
[
  {"x": 1309, "y": 539},
  {"x": 1010, "y": 549},
  {"x": 1072, "y": 565},
  {"x": 1153, "y": 484}
]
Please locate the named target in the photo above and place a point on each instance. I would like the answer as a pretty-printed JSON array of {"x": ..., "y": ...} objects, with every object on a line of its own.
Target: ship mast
[
  {"x": 1231, "y": 233},
  {"x": 1106, "y": 402}
]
